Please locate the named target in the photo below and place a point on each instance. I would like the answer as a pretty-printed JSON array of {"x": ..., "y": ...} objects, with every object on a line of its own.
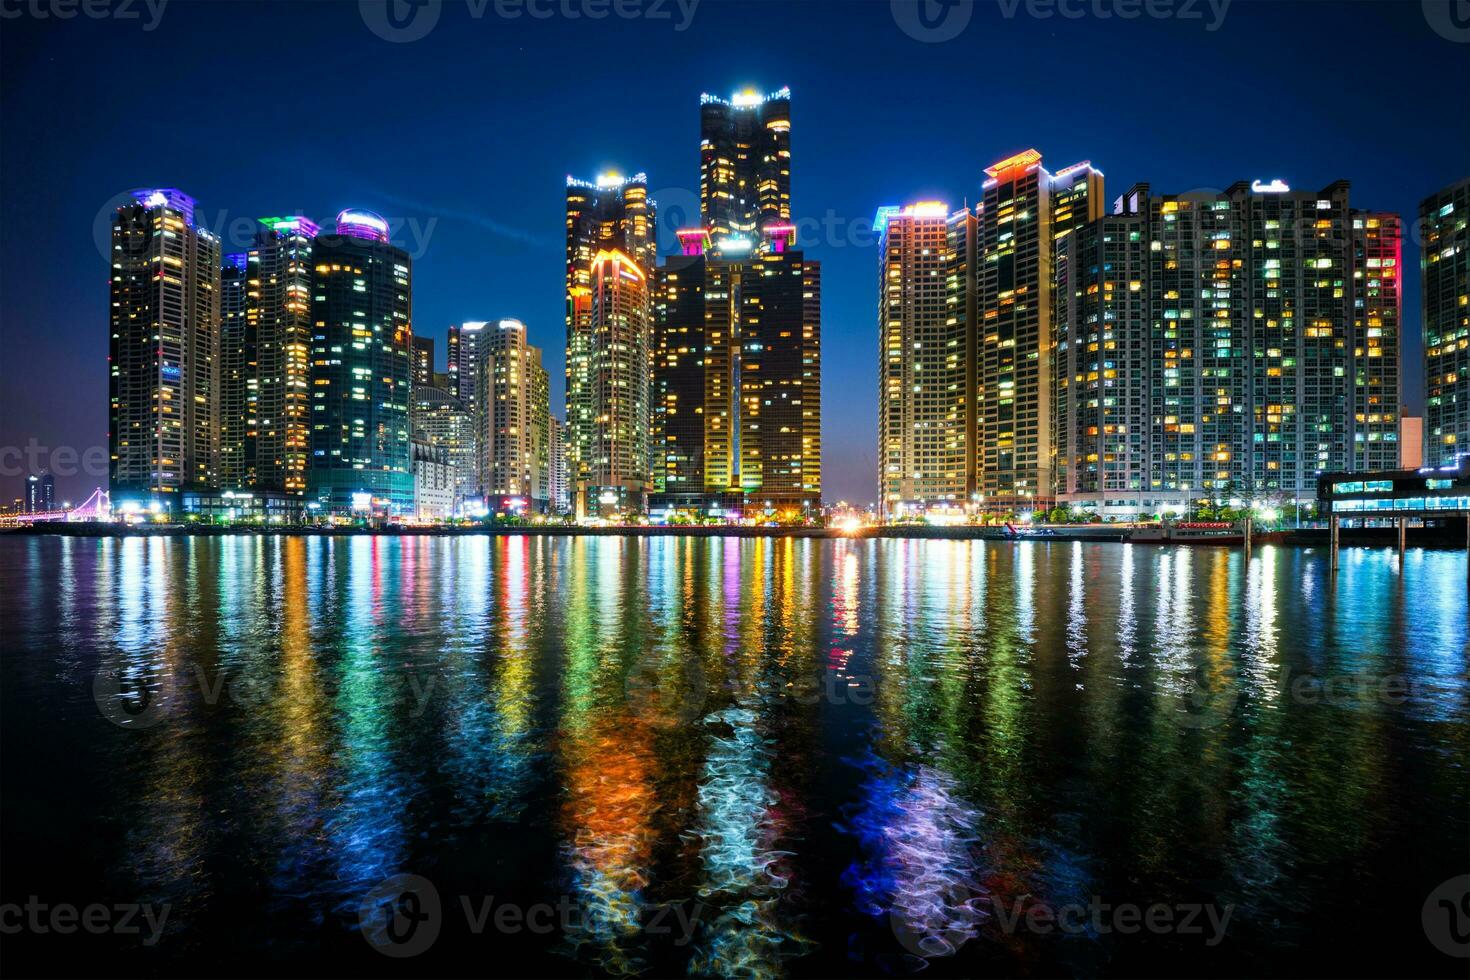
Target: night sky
[{"x": 464, "y": 138}]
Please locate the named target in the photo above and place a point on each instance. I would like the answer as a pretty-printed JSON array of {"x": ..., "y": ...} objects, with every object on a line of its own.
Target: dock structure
[{"x": 1432, "y": 493}]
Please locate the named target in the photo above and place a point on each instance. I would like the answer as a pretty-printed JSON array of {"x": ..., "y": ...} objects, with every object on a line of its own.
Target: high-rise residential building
[
  {"x": 464, "y": 354},
  {"x": 558, "y": 492},
  {"x": 744, "y": 162},
  {"x": 279, "y": 321},
  {"x": 1376, "y": 340},
  {"x": 445, "y": 422},
  {"x": 362, "y": 333},
  {"x": 1025, "y": 213},
  {"x": 962, "y": 316},
  {"x": 239, "y": 374},
  {"x": 433, "y": 479},
  {"x": 513, "y": 393},
  {"x": 1444, "y": 262},
  {"x": 611, "y": 247},
  {"x": 1223, "y": 345},
  {"x": 737, "y": 376},
  {"x": 423, "y": 360},
  {"x": 164, "y": 350},
  {"x": 1100, "y": 358},
  {"x": 40, "y": 495},
  {"x": 921, "y": 365}
]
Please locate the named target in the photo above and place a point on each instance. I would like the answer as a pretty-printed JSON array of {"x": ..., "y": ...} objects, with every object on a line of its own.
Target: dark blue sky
[{"x": 465, "y": 136}]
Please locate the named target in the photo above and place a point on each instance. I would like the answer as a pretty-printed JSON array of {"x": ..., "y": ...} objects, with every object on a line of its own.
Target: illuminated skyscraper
[
  {"x": 610, "y": 257},
  {"x": 464, "y": 354},
  {"x": 361, "y": 370},
  {"x": 163, "y": 434},
  {"x": 423, "y": 360},
  {"x": 738, "y": 376},
  {"x": 445, "y": 421},
  {"x": 512, "y": 392},
  {"x": 1444, "y": 259},
  {"x": 278, "y": 317},
  {"x": 744, "y": 162},
  {"x": 238, "y": 374},
  {"x": 558, "y": 491},
  {"x": 921, "y": 364},
  {"x": 1025, "y": 213},
  {"x": 1376, "y": 338}
]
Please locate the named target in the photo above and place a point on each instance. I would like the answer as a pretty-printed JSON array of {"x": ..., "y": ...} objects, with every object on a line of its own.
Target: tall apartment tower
[
  {"x": 464, "y": 355},
  {"x": 238, "y": 375},
  {"x": 744, "y": 162},
  {"x": 1024, "y": 215},
  {"x": 611, "y": 247},
  {"x": 1376, "y": 338},
  {"x": 361, "y": 370},
  {"x": 512, "y": 392},
  {"x": 278, "y": 316},
  {"x": 921, "y": 364},
  {"x": 163, "y": 433},
  {"x": 423, "y": 360},
  {"x": 557, "y": 490},
  {"x": 1444, "y": 261}
]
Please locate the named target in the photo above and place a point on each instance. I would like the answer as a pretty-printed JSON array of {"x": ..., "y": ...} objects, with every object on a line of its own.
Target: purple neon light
[{"x": 359, "y": 223}]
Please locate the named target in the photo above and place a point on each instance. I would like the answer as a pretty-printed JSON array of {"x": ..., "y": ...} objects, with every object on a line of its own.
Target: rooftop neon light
[
  {"x": 606, "y": 181},
  {"x": 358, "y": 223},
  {"x": 166, "y": 197},
  {"x": 295, "y": 222},
  {"x": 1276, "y": 186},
  {"x": 746, "y": 98},
  {"x": 920, "y": 209},
  {"x": 1024, "y": 160}
]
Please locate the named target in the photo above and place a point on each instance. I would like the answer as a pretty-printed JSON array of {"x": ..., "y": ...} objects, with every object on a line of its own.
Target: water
[{"x": 733, "y": 757}]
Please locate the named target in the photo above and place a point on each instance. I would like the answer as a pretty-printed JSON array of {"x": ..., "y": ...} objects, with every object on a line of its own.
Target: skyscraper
[
  {"x": 610, "y": 257},
  {"x": 512, "y": 392},
  {"x": 279, "y": 319},
  {"x": 164, "y": 350},
  {"x": 921, "y": 364},
  {"x": 744, "y": 162},
  {"x": 40, "y": 495},
  {"x": 1444, "y": 260},
  {"x": 445, "y": 422},
  {"x": 1376, "y": 339},
  {"x": 361, "y": 370},
  {"x": 557, "y": 490},
  {"x": 464, "y": 354},
  {"x": 1025, "y": 212},
  {"x": 239, "y": 375},
  {"x": 423, "y": 360}
]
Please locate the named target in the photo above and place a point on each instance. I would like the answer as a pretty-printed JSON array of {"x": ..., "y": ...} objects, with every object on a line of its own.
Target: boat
[{"x": 1188, "y": 532}]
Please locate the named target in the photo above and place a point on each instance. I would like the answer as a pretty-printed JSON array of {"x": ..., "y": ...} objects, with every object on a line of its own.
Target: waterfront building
[
  {"x": 164, "y": 323},
  {"x": 433, "y": 480},
  {"x": 921, "y": 365},
  {"x": 737, "y": 377},
  {"x": 1025, "y": 214},
  {"x": 558, "y": 490},
  {"x": 610, "y": 257},
  {"x": 40, "y": 495},
  {"x": 238, "y": 374},
  {"x": 1444, "y": 263},
  {"x": 744, "y": 162},
  {"x": 361, "y": 370},
  {"x": 445, "y": 422},
  {"x": 513, "y": 392}
]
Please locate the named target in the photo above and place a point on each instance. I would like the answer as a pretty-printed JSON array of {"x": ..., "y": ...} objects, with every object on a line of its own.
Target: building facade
[
  {"x": 445, "y": 422},
  {"x": 362, "y": 337},
  {"x": 611, "y": 248},
  {"x": 433, "y": 480},
  {"x": 744, "y": 162},
  {"x": 1444, "y": 262},
  {"x": 164, "y": 325},
  {"x": 921, "y": 365},
  {"x": 513, "y": 392}
]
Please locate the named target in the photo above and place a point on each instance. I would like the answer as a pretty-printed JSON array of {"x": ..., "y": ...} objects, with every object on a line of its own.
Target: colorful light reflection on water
[{"x": 734, "y": 757}]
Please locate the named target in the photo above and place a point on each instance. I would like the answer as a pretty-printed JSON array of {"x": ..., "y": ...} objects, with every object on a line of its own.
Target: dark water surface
[{"x": 732, "y": 757}]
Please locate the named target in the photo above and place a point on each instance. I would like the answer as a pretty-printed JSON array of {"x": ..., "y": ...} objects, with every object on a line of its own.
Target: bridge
[{"x": 97, "y": 507}]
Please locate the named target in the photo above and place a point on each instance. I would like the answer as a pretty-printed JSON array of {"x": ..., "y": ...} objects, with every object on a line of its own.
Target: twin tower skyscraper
[{"x": 694, "y": 386}]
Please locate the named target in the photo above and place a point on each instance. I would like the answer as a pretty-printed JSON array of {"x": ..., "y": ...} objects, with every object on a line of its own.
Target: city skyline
[{"x": 448, "y": 228}]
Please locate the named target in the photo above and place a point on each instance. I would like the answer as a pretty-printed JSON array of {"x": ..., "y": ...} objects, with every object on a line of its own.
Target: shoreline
[{"x": 1435, "y": 537}]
